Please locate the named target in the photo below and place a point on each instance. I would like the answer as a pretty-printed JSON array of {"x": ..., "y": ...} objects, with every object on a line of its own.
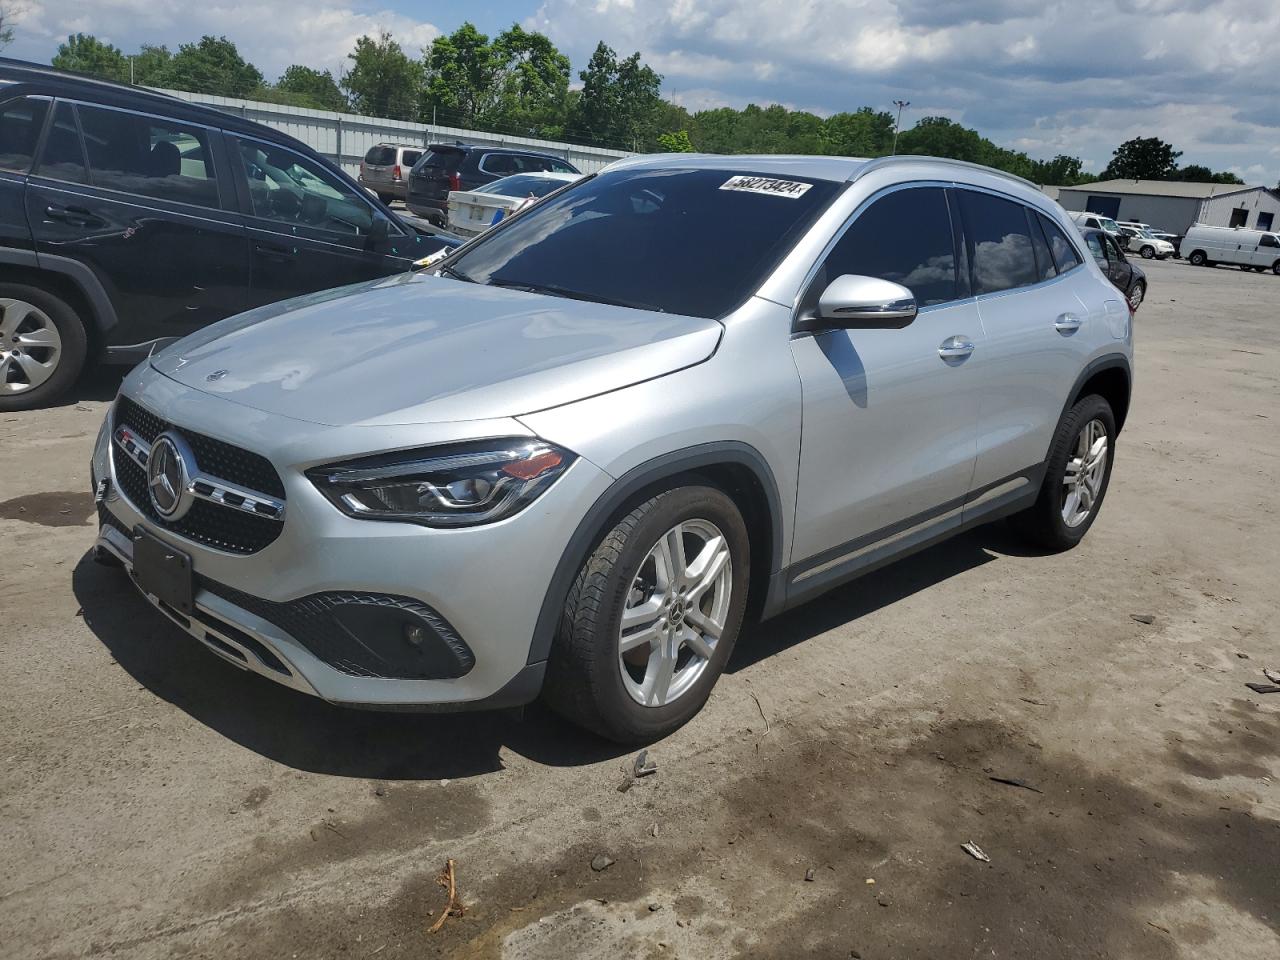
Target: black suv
[
  {"x": 130, "y": 218},
  {"x": 463, "y": 166},
  {"x": 1127, "y": 276}
]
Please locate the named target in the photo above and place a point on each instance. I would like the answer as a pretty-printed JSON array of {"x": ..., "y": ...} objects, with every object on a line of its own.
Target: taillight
[
  {"x": 395, "y": 172},
  {"x": 455, "y": 182}
]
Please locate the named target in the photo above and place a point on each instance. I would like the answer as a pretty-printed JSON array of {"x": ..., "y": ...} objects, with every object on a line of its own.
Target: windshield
[
  {"x": 1109, "y": 225},
  {"x": 525, "y": 185},
  {"x": 693, "y": 242}
]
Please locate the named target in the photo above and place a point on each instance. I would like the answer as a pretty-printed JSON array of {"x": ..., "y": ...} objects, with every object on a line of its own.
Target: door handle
[
  {"x": 275, "y": 251},
  {"x": 1067, "y": 323},
  {"x": 955, "y": 349},
  {"x": 76, "y": 216}
]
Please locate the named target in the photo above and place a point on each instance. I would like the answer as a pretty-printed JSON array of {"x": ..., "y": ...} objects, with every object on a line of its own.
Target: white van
[
  {"x": 1097, "y": 221},
  {"x": 1247, "y": 249}
]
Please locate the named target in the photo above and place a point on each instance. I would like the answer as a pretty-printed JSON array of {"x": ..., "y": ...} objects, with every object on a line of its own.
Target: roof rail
[{"x": 879, "y": 162}]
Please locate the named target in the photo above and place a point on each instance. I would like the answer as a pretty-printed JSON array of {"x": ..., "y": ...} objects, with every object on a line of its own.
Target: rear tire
[
  {"x": 1076, "y": 478},
  {"x": 1197, "y": 259},
  {"x": 1275, "y": 268},
  {"x": 43, "y": 344},
  {"x": 641, "y": 682},
  {"x": 1136, "y": 295}
]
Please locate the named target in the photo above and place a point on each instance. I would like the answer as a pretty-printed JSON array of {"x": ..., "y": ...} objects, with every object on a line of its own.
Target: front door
[
  {"x": 140, "y": 200},
  {"x": 890, "y": 416},
  {"x": 310, "y": 230}
]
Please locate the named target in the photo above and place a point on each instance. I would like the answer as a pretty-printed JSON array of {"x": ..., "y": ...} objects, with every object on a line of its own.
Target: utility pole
[
  {"x": 898, "y": 126},
  {"x": 131, "y": 70}
]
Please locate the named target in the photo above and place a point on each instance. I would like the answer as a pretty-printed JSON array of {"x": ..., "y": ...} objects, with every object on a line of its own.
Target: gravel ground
[{"x": 157, "y": 802}]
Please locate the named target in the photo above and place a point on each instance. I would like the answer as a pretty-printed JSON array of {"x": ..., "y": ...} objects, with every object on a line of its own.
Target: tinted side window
[
  {"x": 498, "y": 163},
  {"x": 289, "y": 188},
  {"x": 164, "y": 159},
  {"x": 559, "y": 166},
  {"x": 999, "y": 242},
  {"x": 20, "y": 124},
  {"x": 409, "y": 157},
  {"x": 905, "y": 237},
  {"x": 63, "y": 154},
  {"x": 1268, "y": 241},
  {"x": 1045, "y": 268},
  {"x": 1065, "y": 253}
]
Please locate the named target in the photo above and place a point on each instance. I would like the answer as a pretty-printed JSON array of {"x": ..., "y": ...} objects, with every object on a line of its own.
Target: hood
[{"x": 418, "y": 348}]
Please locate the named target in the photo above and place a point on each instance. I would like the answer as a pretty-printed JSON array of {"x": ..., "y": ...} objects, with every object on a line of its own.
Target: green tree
[
  {"x": 6, "y": 24},
  {"x": 863, "y": 133},
  {"x": 214, "y": 66},
  {"x": 677, "y": 142},
  {"x": 619, "y": 99},
  {"x": 461, "y": 74},
  {"x": 312, "y": 88},
  {"x": 1060, "y": 171},
  {"x": 382, "y": 80},
  {"x": 85, "y": 53},
  {"x": 1143, "y": 158},
  {"x": 151, "y": 66}
]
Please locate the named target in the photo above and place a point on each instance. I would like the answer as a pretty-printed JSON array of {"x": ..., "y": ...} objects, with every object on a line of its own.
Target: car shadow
[
  {"x": 304, "y": 732},
  {"x": 876, "y": 590},
  {"x": 100, "y": 382}
]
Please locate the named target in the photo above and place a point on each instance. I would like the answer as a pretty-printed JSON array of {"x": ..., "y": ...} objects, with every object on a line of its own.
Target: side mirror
[
  {"x": 852, "y": 302},
  {"x": 379, "y": 230}
]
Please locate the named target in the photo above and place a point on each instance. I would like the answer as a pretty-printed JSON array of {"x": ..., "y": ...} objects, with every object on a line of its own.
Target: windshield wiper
[
  {"x": 456, "y": 274},
  {"x": 556, "y": 290}
]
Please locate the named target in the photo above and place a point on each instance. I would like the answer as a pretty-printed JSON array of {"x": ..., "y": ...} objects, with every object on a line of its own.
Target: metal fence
[{"x": 347, "y": 137}]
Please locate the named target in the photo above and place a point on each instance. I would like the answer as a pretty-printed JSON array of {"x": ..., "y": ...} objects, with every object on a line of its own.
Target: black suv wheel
[{"x": 42, "y": 346}]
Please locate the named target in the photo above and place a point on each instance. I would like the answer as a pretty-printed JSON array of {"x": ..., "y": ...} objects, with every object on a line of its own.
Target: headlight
[{"x": 454, "y": 486}]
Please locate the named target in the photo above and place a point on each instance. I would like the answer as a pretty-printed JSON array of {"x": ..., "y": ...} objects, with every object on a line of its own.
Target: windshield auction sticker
[{"x": 776, "y": 188}]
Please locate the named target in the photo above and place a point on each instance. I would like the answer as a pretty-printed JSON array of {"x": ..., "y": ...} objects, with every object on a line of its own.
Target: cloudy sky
[{"x": 1047, "y": 77}]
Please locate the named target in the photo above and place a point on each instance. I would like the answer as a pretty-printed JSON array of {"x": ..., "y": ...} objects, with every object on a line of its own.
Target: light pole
[{"x": 898, "y": 126}]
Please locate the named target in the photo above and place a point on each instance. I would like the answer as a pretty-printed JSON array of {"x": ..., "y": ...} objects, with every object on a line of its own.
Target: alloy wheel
[
  {"x": 675, "y": 613},
  {"x": 1086, "y": 469},
  {"x": 1136, "y": 295},
  {"x": 30, "y": 347}
]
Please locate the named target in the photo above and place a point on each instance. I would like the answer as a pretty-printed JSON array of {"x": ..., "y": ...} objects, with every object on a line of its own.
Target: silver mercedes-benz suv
[{"x": 572, "y": 457}]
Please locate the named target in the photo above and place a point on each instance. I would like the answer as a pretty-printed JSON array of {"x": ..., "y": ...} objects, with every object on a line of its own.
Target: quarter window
[
  {"x": 156, "y": 158},
  {"x": 1045, "y": 269},
  {"x": 63, "y": 154},
  {"x": 999, "y": 242},
  {"x": 288, "y": 188},
  {"x": 20, "y": 125},
  {"x": 905, "y": 237},
  {"x": 1065, "y": 254}
]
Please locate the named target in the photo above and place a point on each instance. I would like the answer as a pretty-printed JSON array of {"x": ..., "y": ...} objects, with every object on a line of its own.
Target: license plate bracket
[{"x": 163, "y": 571}]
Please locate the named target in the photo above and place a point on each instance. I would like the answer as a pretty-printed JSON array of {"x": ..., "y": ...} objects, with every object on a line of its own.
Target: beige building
[{"x": 1174, "y": 205}]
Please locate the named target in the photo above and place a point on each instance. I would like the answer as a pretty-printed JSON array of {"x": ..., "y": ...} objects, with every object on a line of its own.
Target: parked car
[
  {"x": 446, "y": 167},
  {"x": 1127, "y": 277},
  {"x": 1095, "y": 221},
  {"x": 385, "y": 170},
  {"x": 1172, "y": 238},
  {"x": 1142, "y": 241},
  {"x": 472, "y": 212},
  {"x": 1247, "y": 249},
  {"x": 129, "y": 219},
  {"x": 575, "y": 457}
]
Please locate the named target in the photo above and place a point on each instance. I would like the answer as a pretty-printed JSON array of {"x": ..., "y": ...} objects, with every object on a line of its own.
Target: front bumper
[{"x": 488, "y": 583}]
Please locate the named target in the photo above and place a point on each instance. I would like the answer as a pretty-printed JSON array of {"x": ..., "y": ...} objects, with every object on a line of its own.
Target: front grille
[
  {"x": 222, "y": 528},
  {"x": 379, "y": 650}
]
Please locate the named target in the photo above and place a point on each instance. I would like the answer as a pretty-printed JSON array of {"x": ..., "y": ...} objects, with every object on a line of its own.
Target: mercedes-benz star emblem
[
  {"x": 217, "y": 375},
  {"x": 167, "y": 477}
]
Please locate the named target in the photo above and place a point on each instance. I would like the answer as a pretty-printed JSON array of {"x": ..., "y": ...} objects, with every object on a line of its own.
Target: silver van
[
  {"x": 574, "y": 456},
  {"x": 385, "y": 170}
]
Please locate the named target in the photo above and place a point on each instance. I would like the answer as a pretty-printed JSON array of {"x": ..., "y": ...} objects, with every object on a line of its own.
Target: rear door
[
  {"x": 890, "y": 423},
  {"x": 1037, "y": 331},
  {"x": 145, "y": 202},
  {"x": 308, "y": 228}
]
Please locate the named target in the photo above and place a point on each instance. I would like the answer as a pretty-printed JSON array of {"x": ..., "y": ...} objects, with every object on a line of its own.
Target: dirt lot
[{"x": 157, "y": 802}]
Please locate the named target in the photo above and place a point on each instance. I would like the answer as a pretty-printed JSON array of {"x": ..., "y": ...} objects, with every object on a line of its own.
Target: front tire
[
  {"x": 43, "y": 345},
  {"x": 1148, "y": 252},
  {"x": 1076, "y": 477},
  {"x": 652, "y": 617}
]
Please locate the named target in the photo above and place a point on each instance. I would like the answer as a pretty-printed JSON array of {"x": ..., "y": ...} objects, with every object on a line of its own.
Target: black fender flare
[
  {"x": 592, "y": 526},
  {"x": 1108, "y": 361},
  {"x": 80, "y": 276}
]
